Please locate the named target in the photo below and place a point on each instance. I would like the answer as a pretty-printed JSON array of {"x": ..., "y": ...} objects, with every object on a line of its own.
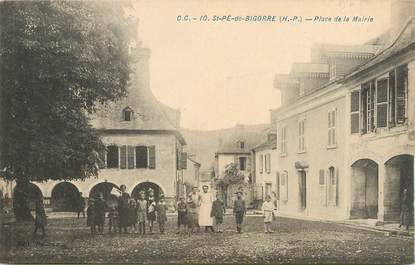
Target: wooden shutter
[
  {"x": 130, "y": 151},
  {"x": 152, "y": 157},
  {"x": 284, "y": 186},
  {"x": 401, "y": 93},
  {"x": 101, "y": 156},
  {"x": 354, "y": 111},
  {"x": 183, "y": 160},
  {"x": 382, "y": 102},
  {"x": 322, "y": 188},
  {"x": 123, "y": 157},
  {"x": 248, "y": 164},
  {"x": 261, "y": 164}
]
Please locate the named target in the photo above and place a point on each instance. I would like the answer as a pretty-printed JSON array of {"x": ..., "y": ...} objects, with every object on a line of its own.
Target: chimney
[{"x": 401, "y": 11}]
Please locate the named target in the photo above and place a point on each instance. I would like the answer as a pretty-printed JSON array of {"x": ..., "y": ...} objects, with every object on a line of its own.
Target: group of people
[{"x": 128, "y": 213}]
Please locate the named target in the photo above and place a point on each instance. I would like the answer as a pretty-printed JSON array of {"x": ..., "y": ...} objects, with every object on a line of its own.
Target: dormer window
[{"x": 127, "y": 114}]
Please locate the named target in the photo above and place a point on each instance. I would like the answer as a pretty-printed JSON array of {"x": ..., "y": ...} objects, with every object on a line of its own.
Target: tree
[
  {"x": 231, "y": 176},
  {"x": 59, "y": 61}
]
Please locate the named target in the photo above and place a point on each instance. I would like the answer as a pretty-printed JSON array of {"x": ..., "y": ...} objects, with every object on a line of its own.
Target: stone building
[
  {"x": 346, "y": 135},
  {"x": 144, "y": 147}
]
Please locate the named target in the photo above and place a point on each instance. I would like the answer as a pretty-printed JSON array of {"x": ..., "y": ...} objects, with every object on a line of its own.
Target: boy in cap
[{"x": 239, "y": 211}]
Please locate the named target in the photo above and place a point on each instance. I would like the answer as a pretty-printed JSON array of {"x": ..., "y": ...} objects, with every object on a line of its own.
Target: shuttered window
[
  {"x": 354, "y": 111},
  {"x": 268, "y": 163},
  {"x": 261, "y": 163},
  {"x": 112, "y": 157},
  {"x": 301, "y": 142},
  {"x": 283, "y": 140},
  {"x": 130, "y": 156},
  {"x": 382, "y": 102},
  {"x": 401, "y": 93},
  {"x": 141, "y": 157},
  {"x": 332, "y": 186},
  {"x": 322, "y": 188},
  {"x": 332, "y": 127},
  {"x": 152, "y": 157},
  {"x": 242, "y": 163}
]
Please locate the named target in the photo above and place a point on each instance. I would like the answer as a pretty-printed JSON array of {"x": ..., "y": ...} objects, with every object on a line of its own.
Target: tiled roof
[
  {"x": 338, "y": 48},
  {"x": 310, "y": 68},
  {"x": 269, "y": 144},
  {"x": 405, "y": 39}
]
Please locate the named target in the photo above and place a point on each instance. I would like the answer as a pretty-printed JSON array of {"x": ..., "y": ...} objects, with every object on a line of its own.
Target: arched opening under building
[
  {"x": 145, "y": 186},
  {"x": 105, "y": 188},
  {"x": 364, "y": 189},
  {"x": 32, "y": 194},
  {"x": 64, "y": 197},
  {"x": 399, "y": 176}
]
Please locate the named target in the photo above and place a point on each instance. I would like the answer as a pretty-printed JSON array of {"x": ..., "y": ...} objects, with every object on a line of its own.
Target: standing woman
[
  {"x": 268, "y": 213},
  {"x": 142, "y": 212},
  {"x": 40, "y": 220},
  {"x": 206, "y": 200},
  {"x": 123, "y": 210}
]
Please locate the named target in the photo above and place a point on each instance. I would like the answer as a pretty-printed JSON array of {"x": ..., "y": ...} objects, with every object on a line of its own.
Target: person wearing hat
[
  {"x": 206, "y": 200},
  {"x": 239, "y": 211},
  {"x": 123, "y": 209},
  {"x": 90, "y": 215}
]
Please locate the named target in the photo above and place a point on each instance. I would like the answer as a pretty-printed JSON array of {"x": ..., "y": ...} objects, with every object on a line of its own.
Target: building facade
[
  {"x": 346, "y": 138},
  {"x": 144, "y": 147}
]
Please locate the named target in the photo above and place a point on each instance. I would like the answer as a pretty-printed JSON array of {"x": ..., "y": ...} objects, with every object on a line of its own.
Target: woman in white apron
[{"x": 206, "y": 200}]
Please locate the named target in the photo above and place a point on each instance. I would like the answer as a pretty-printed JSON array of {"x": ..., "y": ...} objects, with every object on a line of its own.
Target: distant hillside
[{"x": 204, "y": 144}]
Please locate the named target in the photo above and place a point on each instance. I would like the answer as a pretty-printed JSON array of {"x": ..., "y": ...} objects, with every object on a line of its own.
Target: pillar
[{"x": 381, "y": 192}]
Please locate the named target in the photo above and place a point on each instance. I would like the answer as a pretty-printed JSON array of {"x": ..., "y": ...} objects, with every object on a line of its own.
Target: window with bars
[{"x": 332, "y": 128}]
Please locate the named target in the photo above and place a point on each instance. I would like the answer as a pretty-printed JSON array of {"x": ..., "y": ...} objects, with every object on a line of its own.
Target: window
[
  {"x": 322, "y": 188},
  {"x": 123, "y": 157},
  {"x": 127, "y": 114},
  {"x": 112, "y": 157},
  {"x": 354, "y": 111},
  {"x": 141, "y": 157},
  {"x": 332, "y": 187},
  {"x": 332, "y": 127},
  {"x": 242, "y": 163},
  {"x": 242, "y": 145},
  {"x": 102, "y": 158},
  {"x": 284, "y": 186},
  {"x": 261, "y": 163},
  {"x": 130, "y": 157},
  {"x": 382, "y": 102},
  {"x": 301, "y": 143},
  {"x": 268, "y": 163},
  {"x": 283, "y": 140}
]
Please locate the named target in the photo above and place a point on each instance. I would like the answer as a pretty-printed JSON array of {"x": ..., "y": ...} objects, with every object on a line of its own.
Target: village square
[{"x": 104, "y": 171}]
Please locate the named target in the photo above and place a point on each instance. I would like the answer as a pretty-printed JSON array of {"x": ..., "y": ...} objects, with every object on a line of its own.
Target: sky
[{"x": 221, "y": 73}]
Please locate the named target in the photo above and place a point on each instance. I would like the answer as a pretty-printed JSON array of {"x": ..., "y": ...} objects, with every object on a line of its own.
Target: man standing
[
  {"x": 206, "y": 200},
  {"x": 239, "y": 211},
  {"x": 194, "y": 208},
  {"x": 123, "y": 209},
  {"x": 80, "y": 205},
  {"x": 406, "y": 202}
]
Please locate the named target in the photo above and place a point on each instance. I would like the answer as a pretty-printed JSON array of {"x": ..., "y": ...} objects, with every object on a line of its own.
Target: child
[
  {"x": 161, "y": 210},
  {"x": 100, "y": 209},
  {"x": 218, "y": 210},
  {"x": 40, "y": 220},
  {"x": 113, "y": 219},
  {"x": 181, "y": 215},
  {"x": 141, "y": 212},
  {"x": 132, "y": 215},
  {"x": 239, "y": 211},
  {"x": 90, "y": 216},
  {"x": 151, "y": 211},
  {"x": 268, "y": 213}
]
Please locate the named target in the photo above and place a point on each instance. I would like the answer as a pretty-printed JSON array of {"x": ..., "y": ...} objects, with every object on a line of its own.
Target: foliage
[
  {"x": 232, "y": 175},
  {"x": 59, "y": 60}
]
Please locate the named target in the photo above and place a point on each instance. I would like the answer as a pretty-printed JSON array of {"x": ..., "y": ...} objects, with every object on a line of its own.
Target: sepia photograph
[{"x": 207, "y": 131}]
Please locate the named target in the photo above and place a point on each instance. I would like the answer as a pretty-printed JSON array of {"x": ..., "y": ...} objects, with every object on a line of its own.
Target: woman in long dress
[{"x": 206, "y": 200}]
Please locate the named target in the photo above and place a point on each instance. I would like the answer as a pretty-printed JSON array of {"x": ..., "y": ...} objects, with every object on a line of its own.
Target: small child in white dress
[{"x": 268, "y": 213}]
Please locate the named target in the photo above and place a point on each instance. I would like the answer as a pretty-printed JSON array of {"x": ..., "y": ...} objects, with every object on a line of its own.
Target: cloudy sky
[{"x": 219, "y": 74}]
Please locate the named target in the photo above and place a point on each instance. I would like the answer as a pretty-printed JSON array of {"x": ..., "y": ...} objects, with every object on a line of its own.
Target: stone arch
[
  {"x": 364, "y": 189},
  {"x": 33, "y": 193},
  {"x": 145, "y": 185},
  {"x": 64, "y": 197}
]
